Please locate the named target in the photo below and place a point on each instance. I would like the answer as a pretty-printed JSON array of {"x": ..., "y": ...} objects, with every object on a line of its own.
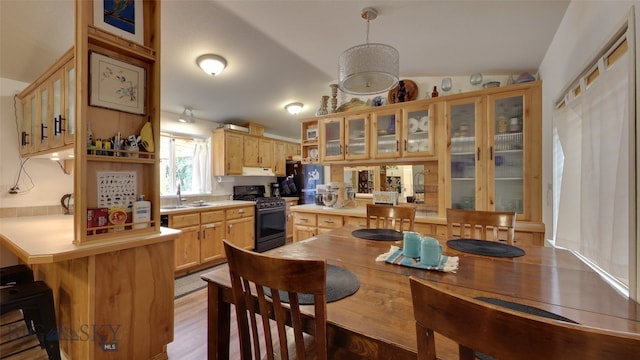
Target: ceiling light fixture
[
  {"x": 187, "y": 116},
  {"x": 367, "y": 69},
  {"x": 211, "y": 64},
  {"x": 294, "y": 108}
]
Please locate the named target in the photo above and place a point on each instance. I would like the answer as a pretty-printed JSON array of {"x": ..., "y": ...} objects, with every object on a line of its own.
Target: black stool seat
[
  {"x": 15, "y": 274},
  {"x": 35, "y": 299}
]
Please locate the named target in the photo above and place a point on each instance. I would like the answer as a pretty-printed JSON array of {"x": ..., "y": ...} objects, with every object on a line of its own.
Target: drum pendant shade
[{"x": 368, "y": 68}]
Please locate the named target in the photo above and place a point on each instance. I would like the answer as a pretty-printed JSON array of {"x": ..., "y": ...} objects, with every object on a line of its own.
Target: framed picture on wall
[
  {"x": 116, "y": 85},
  {"x": 120, "y": 17}
]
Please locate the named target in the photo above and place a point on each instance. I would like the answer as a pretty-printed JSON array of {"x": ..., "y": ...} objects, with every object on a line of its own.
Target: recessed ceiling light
[
  {"x": 211, "y": 64},
  {"x": 294, "y": 108}
]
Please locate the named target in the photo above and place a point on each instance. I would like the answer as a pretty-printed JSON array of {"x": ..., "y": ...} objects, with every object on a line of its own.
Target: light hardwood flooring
[{"x": 190, "y": 328}]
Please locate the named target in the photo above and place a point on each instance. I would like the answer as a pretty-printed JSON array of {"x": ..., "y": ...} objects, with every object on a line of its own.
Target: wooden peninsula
[{"x": 114, "y": 298}]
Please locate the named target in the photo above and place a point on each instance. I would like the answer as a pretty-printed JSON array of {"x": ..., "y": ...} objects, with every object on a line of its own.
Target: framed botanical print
[
  {"x": 116, "y": 84},
  {"x": 120, "y": 17}
]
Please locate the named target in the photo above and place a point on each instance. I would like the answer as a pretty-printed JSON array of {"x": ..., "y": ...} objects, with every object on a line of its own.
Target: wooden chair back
[
  {"x": 482, "y": 225},
  {"x": 391, "y": 217},
  {"x": 252, "y": 273},
  {"x": 507, "y": 334}
]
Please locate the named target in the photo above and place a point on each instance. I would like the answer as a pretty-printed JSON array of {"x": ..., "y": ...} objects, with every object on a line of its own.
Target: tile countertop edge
[{"x": 48, "y": 239}]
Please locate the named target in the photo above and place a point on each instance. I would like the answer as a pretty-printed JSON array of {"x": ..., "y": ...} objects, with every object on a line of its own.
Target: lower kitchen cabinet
[
  {"x": 328, "y": 222},
  {"x": 213, "y": 231},
  {"x": 241, "y": 227},
  {"x": 305, "y": 226},
  {"x": 290, "y": 223},
  {"x": 187, "y": 245},
  {"x": 200, "y": 243}
]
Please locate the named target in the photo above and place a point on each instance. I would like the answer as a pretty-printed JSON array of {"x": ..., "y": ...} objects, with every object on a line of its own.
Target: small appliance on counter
[
  {"x": 336, "y": 195},
  {"x": 275, "y": 189},
  {"x": 67, "y": 204},
  {"x": 385, "y": 197}
]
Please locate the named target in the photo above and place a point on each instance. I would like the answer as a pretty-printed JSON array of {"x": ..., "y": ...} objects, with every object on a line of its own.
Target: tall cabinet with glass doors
[{"x": 494, "y": 145}]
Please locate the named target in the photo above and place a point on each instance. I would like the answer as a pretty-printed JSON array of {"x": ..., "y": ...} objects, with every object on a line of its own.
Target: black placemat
[
  {"x": 485, "y": 247},
  {"x": 378, "y": 234},
  {"x": 521, "y": 308},
  {"x": 341, "y": 283}
]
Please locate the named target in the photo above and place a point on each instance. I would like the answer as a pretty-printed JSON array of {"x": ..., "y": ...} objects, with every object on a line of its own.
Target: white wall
[
  {"x": 586, "y": 27},
  {"x": 49, "y": 181}
]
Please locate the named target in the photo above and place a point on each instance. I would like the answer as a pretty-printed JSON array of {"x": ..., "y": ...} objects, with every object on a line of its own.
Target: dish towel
[{"x": 394, "y": 256}]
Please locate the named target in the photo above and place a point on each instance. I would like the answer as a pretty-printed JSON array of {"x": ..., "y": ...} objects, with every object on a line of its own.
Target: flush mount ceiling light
[
  {"x": 368, "y": 68},
  {"x": 187, "y": 116},
  {"x": 211, "y": 64},
  {"x": 294, "y": 108}
]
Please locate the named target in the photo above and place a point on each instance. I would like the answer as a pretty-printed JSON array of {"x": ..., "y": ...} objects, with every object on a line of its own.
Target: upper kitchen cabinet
[
  {"x": 309, "y": 144},
  {"x": 227, "y": 153},
  {"x": 494, "y": 151},
  {"x": 344, "y": 137},
  {"x": 331, "y": 139},
  {"x": 258, "y": 152},
  {"x": 117, "y": 95},
  {"x": 418, "y": 130},
  {"x": 385, "y": 133},
  {"x": 46, "y": 115}
]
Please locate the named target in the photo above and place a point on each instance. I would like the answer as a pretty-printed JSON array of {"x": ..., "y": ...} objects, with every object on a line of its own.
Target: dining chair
[
  {"x": 479, "y": 326},
  {"x": 260, "y": 285},
  {"x": 390, "y": 217},
  {"x": 481, "y": 225}
]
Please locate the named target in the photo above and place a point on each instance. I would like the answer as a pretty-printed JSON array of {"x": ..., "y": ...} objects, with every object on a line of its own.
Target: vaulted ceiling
[{"x": 284, "y": 51}]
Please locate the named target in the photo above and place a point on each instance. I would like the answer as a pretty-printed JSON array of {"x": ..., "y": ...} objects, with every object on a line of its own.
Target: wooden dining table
[{"x": 377, "y": 321}]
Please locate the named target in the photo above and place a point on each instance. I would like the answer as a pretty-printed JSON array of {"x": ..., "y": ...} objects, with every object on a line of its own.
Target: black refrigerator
[{"x": 304, "y": 178}]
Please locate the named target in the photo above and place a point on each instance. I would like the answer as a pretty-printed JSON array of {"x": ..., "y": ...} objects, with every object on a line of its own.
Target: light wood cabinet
[
  {"x": 290, "y": 218},
  {"x": 327, "y": 222},
  {"x": 258, "y": 152},
  {"x": 397, "y": 132},
  {"x": 493, "y": 157},
  {"x": 279, "y": 158},
  {"x": 292, "y": 150},
  {"x": 203, "y": 231},
  {"x": 305, "y": 226},
  {"x": 69, "y": 120},
  {"x": 233, "y": 150},
  {"x": 240, "y": 223},
  {"x": 46, "y": 108},
  {"x": 212, "y": 231},
  {"x": 228, "y": 150},
  {"x": 309, "y": 144},
  {"x": 187, "y": 245}
]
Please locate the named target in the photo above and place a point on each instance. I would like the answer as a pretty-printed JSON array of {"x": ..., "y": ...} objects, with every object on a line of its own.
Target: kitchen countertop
[
  {"x": 48, "y": 239},
  {"x": 359, "y": 212},
  {"x": 213, "y": 205},
  {"x": 420, "y": 218}
]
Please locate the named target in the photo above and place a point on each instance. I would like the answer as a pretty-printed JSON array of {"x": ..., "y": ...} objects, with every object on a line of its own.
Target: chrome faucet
[{"x": 179, "y": 195}]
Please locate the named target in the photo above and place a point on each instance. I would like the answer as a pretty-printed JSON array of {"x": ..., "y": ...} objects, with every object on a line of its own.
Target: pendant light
[{"x": 369, "y": 68}]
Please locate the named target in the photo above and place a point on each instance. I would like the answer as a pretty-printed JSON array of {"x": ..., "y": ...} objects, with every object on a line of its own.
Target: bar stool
[
  {"x": 15, "y": 274},
  {"x": 35, "y": 300}
]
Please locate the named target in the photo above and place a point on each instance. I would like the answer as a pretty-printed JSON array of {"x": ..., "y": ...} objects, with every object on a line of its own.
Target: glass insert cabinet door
[
  {"x": 418, "y": 131},
  {"x": 386, "y": 139},
  {"x": 508, "y": 122},
  {"x": 357, "y": 133},
  {"x": 464, "y": 155},
  {"x": 332, "y": 139}
]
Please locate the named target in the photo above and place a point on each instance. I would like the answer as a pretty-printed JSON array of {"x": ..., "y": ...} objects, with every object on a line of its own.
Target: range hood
[{"x": 257, "y": 171}]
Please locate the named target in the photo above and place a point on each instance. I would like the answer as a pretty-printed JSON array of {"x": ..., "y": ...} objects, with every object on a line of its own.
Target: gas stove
[{"x": 270, "y": 216}]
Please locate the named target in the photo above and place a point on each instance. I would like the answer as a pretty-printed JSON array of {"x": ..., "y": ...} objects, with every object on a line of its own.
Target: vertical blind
[{"x": 593, "y": 181}]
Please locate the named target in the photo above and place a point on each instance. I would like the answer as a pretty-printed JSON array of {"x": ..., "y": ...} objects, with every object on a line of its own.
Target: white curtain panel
[
  {"x": 593, "y": 206},
  {"x": 201, "y": 180}
]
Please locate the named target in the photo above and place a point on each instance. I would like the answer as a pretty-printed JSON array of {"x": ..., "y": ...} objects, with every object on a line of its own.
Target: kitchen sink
[{"x": 173, "y": 207}]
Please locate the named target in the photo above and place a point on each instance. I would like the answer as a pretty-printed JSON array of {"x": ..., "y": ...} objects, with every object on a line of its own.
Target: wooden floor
[
  {"x": 190, "y": 328},
  {"x": 14, "y": 339}
]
